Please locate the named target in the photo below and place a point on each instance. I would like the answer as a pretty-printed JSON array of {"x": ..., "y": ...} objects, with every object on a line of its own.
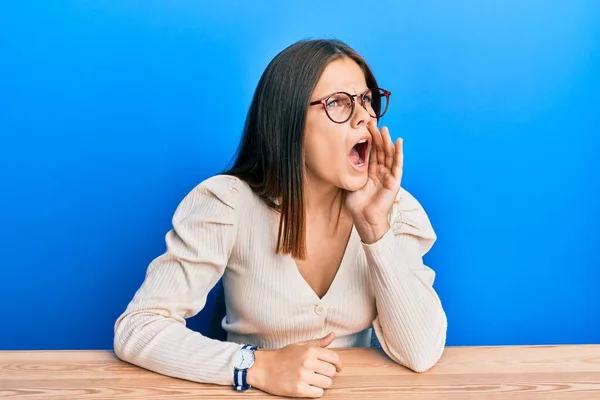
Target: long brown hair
[{"x": 270, "y": 156}]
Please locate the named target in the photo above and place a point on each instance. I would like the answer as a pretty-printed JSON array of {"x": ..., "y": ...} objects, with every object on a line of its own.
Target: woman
[{"x": 314, "y": 239}]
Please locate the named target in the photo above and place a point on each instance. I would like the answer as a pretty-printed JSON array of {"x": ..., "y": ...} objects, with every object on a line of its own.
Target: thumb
[{"x": 325, "y": 341}]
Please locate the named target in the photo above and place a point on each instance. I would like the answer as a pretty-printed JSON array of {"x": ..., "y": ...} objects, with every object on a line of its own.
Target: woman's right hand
[{"x": 302, "y": 369}]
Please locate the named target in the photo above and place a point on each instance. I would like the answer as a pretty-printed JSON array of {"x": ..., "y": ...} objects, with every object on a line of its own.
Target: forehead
[{"x": 342, "y": 74}]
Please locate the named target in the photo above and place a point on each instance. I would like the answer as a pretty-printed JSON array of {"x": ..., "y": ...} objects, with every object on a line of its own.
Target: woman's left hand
[{"x": 370, "y": 206}]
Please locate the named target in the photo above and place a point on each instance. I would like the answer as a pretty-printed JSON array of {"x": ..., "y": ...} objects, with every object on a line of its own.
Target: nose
[{"x": 360, "y": 117}]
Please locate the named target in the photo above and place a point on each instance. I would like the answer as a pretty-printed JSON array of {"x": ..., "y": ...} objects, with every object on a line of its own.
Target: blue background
[{"x": 111, "y": 111}]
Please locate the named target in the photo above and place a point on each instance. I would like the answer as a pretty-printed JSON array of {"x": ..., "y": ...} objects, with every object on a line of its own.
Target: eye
[
  {"x": 340, "y": 100},
  {"x": 332, "y": 103}
]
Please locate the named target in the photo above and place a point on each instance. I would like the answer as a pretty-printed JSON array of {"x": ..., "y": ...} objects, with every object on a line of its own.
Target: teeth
[{"x": 362, "y": 141}]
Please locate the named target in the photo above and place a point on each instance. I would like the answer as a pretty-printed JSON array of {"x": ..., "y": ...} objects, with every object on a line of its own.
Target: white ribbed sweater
[{"x": 222, "y": 229}]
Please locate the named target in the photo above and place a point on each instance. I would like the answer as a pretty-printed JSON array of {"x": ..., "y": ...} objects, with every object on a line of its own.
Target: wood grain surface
[{"x": 506, "y": 372}]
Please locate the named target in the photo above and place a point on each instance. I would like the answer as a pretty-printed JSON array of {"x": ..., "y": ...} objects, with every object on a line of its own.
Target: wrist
[
  {"x": 256, "y": 374},
  {"x": 370, "y": 233}
]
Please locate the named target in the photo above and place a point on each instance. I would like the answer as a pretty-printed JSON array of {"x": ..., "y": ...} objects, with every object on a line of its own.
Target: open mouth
[{"x": 359, "y": 153}]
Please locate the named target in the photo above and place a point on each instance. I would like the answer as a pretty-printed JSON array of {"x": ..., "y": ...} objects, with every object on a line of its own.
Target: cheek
[{"x": 323, "y": 147}]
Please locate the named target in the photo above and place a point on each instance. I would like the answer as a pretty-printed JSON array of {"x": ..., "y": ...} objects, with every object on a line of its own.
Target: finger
[
  {"x": 318, "y": 380},
  {"x": 323, "y": 368},
  {"x": 398, "y": 159},
  {"x": 306, "y": 390},
  {"x": 388, "y": 147},
  {"x": 373, "y": 161},
  {"x": 377, "y": 142},
  {"x": 322, "y": 342},
  {"x": 331, "y": 357},
  {"x": 381, "y": 149},
  {"x": 327, "y": 340}
]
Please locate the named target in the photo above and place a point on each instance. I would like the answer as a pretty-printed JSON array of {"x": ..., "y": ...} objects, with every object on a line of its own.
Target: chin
[{"x": 354, "y": 183}]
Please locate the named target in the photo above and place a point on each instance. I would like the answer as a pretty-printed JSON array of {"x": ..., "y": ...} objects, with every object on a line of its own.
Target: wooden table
[{"x": 532, "y": 372}]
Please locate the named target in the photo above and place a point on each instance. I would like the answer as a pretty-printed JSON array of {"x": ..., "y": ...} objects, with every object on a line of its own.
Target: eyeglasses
[{"x": 339, "y": 106}]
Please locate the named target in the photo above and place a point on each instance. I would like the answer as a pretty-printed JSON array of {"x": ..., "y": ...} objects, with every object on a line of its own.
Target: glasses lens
[
  {"x": 339, "y": 107},
  {"x": 376, "y": 102}
]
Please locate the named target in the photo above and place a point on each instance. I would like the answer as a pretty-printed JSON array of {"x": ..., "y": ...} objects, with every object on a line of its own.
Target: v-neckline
[{"x": 338, "y": 273}]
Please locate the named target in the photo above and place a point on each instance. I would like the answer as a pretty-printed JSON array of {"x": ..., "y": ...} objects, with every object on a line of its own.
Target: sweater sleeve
[
  {"x": 151, "y": 332},
  {"x": 411, "y": 323}
]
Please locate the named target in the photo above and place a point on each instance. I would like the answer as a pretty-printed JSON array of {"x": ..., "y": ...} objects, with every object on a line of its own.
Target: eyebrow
[{"x": 339, "y": 91}]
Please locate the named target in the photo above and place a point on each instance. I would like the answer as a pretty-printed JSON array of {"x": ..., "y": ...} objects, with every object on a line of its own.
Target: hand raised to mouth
[{"x": 371, "y": 205}]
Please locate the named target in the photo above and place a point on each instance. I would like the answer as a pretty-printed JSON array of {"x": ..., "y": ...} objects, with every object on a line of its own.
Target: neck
[{"x": 321, "y": 199}]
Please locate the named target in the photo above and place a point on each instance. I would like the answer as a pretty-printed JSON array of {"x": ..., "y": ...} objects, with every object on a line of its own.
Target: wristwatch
[{"x": 245, "y": 360}]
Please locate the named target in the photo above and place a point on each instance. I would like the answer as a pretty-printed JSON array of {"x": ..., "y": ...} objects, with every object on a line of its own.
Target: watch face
[{"x": 245, "y": 359}]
